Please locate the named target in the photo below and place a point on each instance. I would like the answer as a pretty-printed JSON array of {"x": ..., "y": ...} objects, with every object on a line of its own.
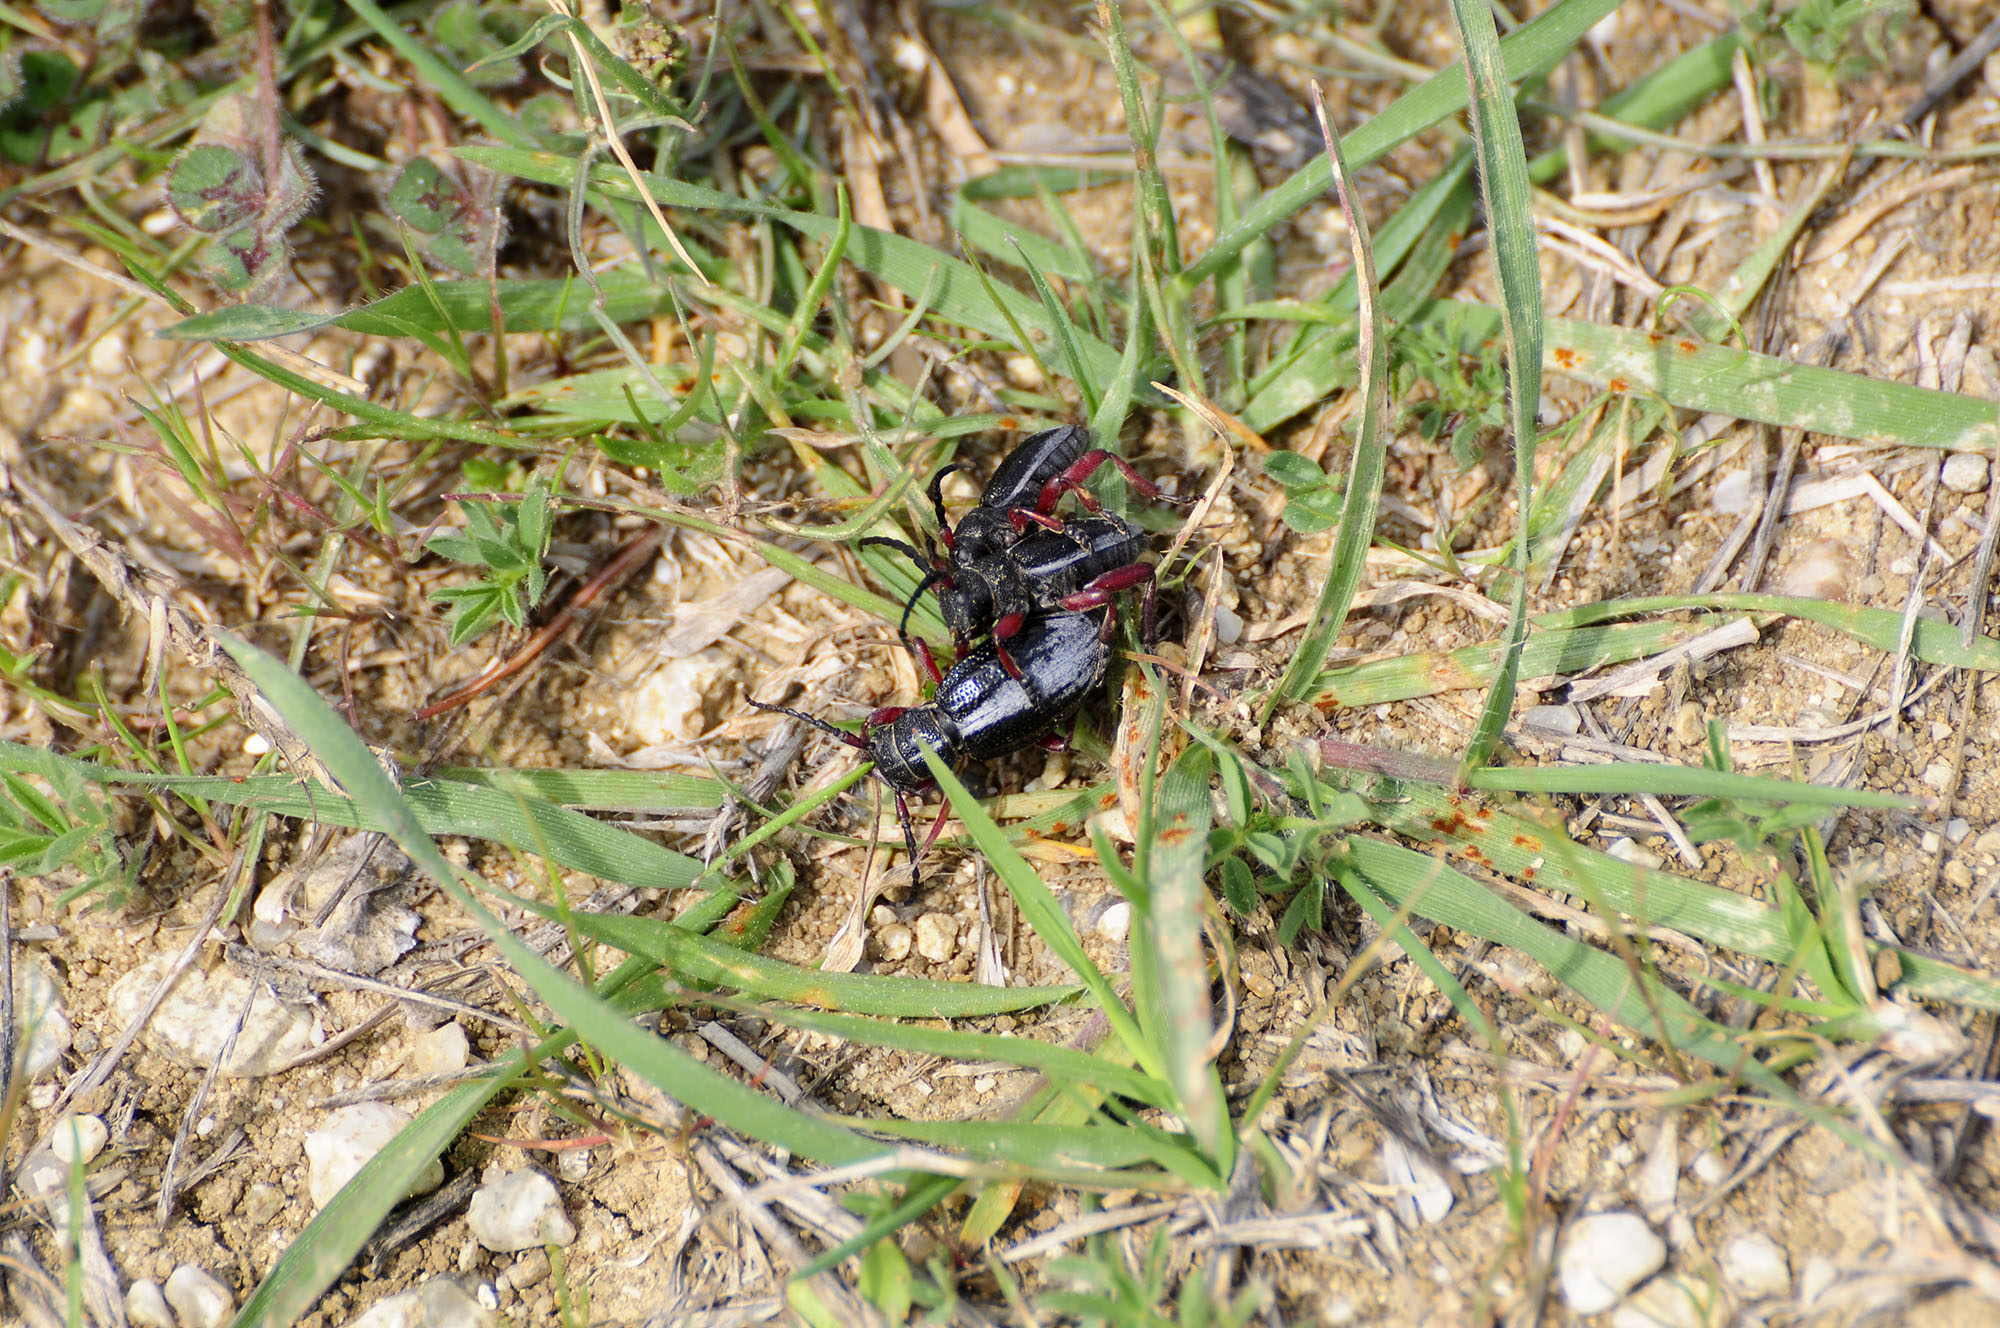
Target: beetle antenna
[
  {"x": 922, "y": 563},
  {"x": 815, "y": 721},
  {"x": 931, "y": 578},
  {"x": 936, "y": 490}
]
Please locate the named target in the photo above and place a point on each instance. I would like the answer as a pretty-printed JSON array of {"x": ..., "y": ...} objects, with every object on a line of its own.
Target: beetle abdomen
[
  {"x": 1018, "y": 479},
  {"x": 1056, "y": 563},
  {"x": 1060, "y": 656}
]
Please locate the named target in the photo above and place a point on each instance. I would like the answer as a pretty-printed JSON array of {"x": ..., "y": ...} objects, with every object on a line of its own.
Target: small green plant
[
  {"x": 99, "y": 86},
  {"x": 1846, "y": 38},
  {"x": 505, "y": 541},
  {"x": 68, "y": 832},
  {"x": 1105, "y": 1289},
  {"x": 456, "y": 220},
  {"x": 243, "y": 190},
  {"x": 32, "y": 85},
  {"x": 1469, "y": 395},
  {"x": 1312, "y": 497},
  {"x": 1293, "y": 850},
  {"x": 479, "y": 38}
]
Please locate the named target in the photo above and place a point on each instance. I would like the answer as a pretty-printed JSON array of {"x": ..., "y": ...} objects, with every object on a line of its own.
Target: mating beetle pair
[
  {"x": 1038, "y": 587},
  {"x": 993, "y": 575}
]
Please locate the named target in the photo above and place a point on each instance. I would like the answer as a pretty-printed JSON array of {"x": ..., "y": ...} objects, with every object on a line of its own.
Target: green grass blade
[
  {"x": 1054, "y": 1060},
  {"x": 595, "y": 790},
  {"x": 699, "y": 959},
  {"x": 1435, "y": 891},
  {"x": 1554, "y": 652},
  {"x": 958, "y": 295},
  {"x": 996, "y": 237},
  {"x": 1530, "y": 50},
  {"x": 702, "y": 1089},
  {"x": 1067, "y": 335},
  {"x": 1168, "y": 930},
  {"x": 1079, "y": 1149},
  {"x": 1503, "y": 189},
  {"x": 1109, "y": 419},
  {"x": 1041, "y": 912},
  {"x": 1156, "y": 205},
  {"x": 1931, "y": 641},
  {"x": 441, "y": 79},
  {"x": 1363, "y": 494},
  {"x": 440, "y": 307},
  {"x": 439, "y": 806}
]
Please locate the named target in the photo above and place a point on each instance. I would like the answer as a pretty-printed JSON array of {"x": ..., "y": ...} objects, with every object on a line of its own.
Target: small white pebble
[
  {"x": 1956, "y": 829},
  {"x": 1938, "y": 775},
  {"x": 893, "y": 942},
  {"x": 1555, "y": 718},
  {"x": 1709, "y": 1167},
  {"x": 1821, "y": 571},
  {"x": 1917, "y": 1037},
  {"x": 77, "y": 1137},
  {"x": 199, "y": 1300},
  {"x": 1228, "y": 625},
  {"x": 573, "y": 1164},
  {"x": 1115, "y": 924},
  {"x": 1630, "y": 850},
  {"x": 348, "y": 1139},
  {"x": 1113, "y": 822},
  {"x": 442, "y": 1050},
  {"x": 518, "y": 1210},
  {"x": 108, "y": 355},
  {"x": 146, "y": 1306},
  {"x": 1815, "y": 1278},
  {"x": 1604, "y": 1256},
  {"x": 41, "y": 1025},
  {"x": 1755, "y": 1266},
  {"x": 910, "y": 57},
  {"x": 1731, "y": 495},
  {"x": 937, "y": 937},
  {"x": 1022, "y": 371},
  {"x": 438, "y": 1303},
  {"x": 1964, "y": 472}
]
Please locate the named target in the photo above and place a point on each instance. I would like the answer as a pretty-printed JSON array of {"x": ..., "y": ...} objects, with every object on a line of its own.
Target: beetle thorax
[{"x": 982, "y": 533}]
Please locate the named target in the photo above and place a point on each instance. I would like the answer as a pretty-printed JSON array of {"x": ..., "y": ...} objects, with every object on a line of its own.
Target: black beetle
[
  {"x": 994, "y": 575},
  {"x": 1079, "y": 567},
  {"x": 981, "y": 709}
]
